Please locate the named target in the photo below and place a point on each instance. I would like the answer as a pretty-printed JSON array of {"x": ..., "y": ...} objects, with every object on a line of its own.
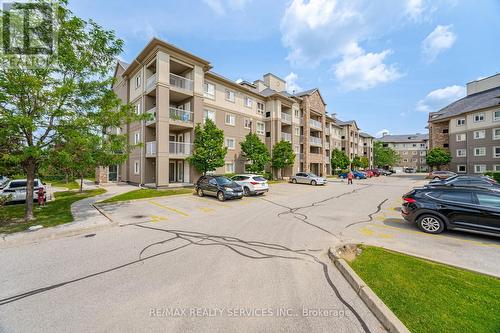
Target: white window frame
[
  {"x": 461, "y": 165},
  {"x": 478, "y": 136},
  {"x": 495, "y": 153},
  {"x": 461, "y": 137},
  {"x": 482, "y": 168},
  {"x": 230, "y": 146},
  {"x": 494, "y": 136},
  {"x": 137, "y": 137},
  {"x": 137, "y": 167},
  {"x": 247, "y": 123},
  {"x": 230, "y": 95},
  {"x": 138, "y": 81},
  {"x": 138, "y": 108},
  {"x": 461, "y": 122},
  {"x": 478, "y": 117},
  {"x": 206, "y": 92},
  {"x": 248, "y": 102},
  {"x": 232, "y": 167},
  {"x": 482, "y": 149},
  {"x": 297, "y": 131},
  {"x": 495, "y": 117},
  {"x": 460, "y": 151},
  {"x": 232, "y": 119},
  {"x": 296, "y": 113},
  {"x": 261, "y": 110},
  {"x": 207, "y": 114},
  {"x": 259, "y": 131}
]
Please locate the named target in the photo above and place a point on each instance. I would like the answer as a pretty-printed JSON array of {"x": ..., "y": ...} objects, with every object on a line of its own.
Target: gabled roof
[
  {"x": 123, "y": 64},
  {"x": 478, "y": 101},
  {"x": 402, "y": 138},
  {"x": 306, "y": 92},
  {"x": 343, "y": 123},
  {"x": 365, "y": 135}
]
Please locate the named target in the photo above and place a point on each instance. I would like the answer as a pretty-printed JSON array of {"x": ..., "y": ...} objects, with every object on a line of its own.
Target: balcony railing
[
  {"x": 152, "y": 118},
  {"x": 286, "y": 118},
  {"x": 151, "y": 82},
  {"x": 181, "y": 82},
  {"x": 185, "y": 116},
  {"x": 180, "y": 148},
  {"x": 286, "y": 137},
  {"x": 151, "y": 148},
  {"x": 315, "y": 123},
  {"x": 314, "y": 140}
]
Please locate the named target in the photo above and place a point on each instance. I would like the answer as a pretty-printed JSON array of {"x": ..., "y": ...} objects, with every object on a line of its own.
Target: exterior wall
[
  {"x": 412, "y": 154},
  {"x": 438, "y": 134},
  {"x": 484, "y": 84}
]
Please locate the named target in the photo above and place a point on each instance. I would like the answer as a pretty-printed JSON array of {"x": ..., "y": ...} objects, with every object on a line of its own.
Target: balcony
[
  {"x": 286, "y": 137},
  {"x": 180, "y": 149},
  {"x": 315, "y": 141},
  {"x": 152, "y": 118},
  {"x": 327, "y": 145},
  {"x": 315, "y": 124},
  {"x": 151, "y": 149},
  {"x": 286, "y": 118},
  {"x": 180, "y": 115},
  {"x": 181, "y": 82},
  {"x": 151, "y": 82},
  {"x": 327, "y": 131}
]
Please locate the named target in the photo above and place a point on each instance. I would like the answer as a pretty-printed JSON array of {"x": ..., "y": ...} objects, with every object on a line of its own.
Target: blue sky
[{"x": 384, "y": 63}]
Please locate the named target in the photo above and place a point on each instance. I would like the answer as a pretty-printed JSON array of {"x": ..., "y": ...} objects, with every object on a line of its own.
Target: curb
[{"x": 386, "y": 317}]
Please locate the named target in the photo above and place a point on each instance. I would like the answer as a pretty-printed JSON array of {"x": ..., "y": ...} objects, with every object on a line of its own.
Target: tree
[
  {"x": 38, "y": 101},
  {"x": 438, "y": 157},
  {"x": 384, "y": 156},
  {"x": 356, "y": 162},
  {"x": 209, "y": 151},
  {"x": 256, "y": 152},
  {"x": 364, "y": 162},
  {"x": 339, "y": 159},
  {"x": 283, "y": 155}
]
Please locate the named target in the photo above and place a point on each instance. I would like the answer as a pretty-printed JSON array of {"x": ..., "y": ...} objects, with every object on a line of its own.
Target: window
[
  {"x": 461, "y": 122},
  {"x": 405, "y": 160},
  {"x": 445, "y": 130},
  {"x": 268, "y": 134},
  {"x": 209, "y": 90},
  {"x": 496, "y": 134},
  {"x": 422, "y": 153},
  {"x": 488, "y": 200},
  {"x": 479, "y": 134},
  {"x": 138, "y": 109},
  {"x": 461, "y": 168},
  {"x": 260, "y": 128},
  {"x": 461, "y": 137},
  {"x": 479, "y": 168},
  {"x": 230, "y": 119},
  {"x": 496, "y": 152},
  {"x": 230, "y": 143},
  {"x": 137, "y": 167},
  {"x": 230, "y": 95},
  {"x": 422, "y": 160},
  {"x": 456, "y": 196},
  {"x": 445, "y": 145},
  {"x": 247, "y": 123},
  {"x": 209, "y": 114},
  {"x": 496, "y": 115},
  {"x": 461, "y": 152},
  {"x": 230, "y": 167},
  {"x": 413, "y": 159},
  {"x": 405, "y": 153},
  {"x": 480, "y": 151},
  {"x": 296, "y": 113},
  {"x": 260, "y": 108},
  {"x": 296, "y": 149},
  {"x": 478, "y": 117},
  {"x": 137, "y": 137},
  {"x": 414, "y": 145},
  {"x": 248, "y": 102},
  {"x": 422, "y": 145},
  {"x": 297, "y": 130},
  {"x": 138, "y": 81},
  {"x": 414, "y": 152},
  {"x": 496, "y": 167}
]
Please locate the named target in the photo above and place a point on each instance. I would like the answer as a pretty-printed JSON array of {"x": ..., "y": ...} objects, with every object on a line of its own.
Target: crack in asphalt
[{"x": 370, "y": 218}]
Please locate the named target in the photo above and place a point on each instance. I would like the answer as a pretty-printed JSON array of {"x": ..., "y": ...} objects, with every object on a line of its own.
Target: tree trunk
[
  {"x": 30, "y": 177},
  {"x": 66, "y": 178},
  {"x": 81, "y": 183}
]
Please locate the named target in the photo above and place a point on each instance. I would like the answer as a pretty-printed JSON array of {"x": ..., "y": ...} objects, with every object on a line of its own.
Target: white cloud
[
  {"x": 220, "y": 7},
  {"x": 415, "y": 8},
  {"x": 438, "y": 41},
  {"x": 439, "y": 98},
  {"x": 291, "y": 83},
  {"x": 361, "y": 70},
  {"x": 382, "y": 132}
]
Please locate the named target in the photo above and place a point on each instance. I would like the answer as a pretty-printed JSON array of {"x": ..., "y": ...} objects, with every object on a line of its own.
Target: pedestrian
[
  {"x": 350, "y": 176},
  {"x": 41, "y": 196}
]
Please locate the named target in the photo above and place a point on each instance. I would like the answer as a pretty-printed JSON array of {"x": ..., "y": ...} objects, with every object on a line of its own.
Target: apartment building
[
  {"x": 411, "y": 148},
  {"x": 470, "y": 128},
  {"x": 354, "y": 142},
  {"x": 179, "y": 90}
]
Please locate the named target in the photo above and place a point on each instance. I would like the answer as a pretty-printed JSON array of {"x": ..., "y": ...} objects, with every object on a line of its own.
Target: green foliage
[
  {"x": 493, "y": 174},
  {"x": 438, "y": 157},
  {"x": 356, "y": 162},
  {"x": 339, "y": 159},
  {"x": 384, "y": 156},
  {"x": 268, "y": 175},
  {"x": 364, "y": 162},
  {"x": 209, "y": 151},
  {"x": 256, "y": 152},
  {"x": 283, "y": 155}
]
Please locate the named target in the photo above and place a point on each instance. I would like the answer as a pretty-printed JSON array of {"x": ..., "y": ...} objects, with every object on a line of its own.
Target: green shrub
[
  {"x": 268, "y": 175},
  {"x": 493, "y": 174}
]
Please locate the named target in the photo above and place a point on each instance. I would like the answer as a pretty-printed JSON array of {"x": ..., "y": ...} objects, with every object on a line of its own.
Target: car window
[
  {"x": 237, "y": 178},
  {"x": 460, "y": 182},
  {"x": 260, "y": 179},
  {"x": 479, "y": 182},
  {"x": 223, "y": 180},
  {"x": 457, "y": 196},
  {"x": 17, "y": 184},
  {"x": 300, "y": 174},
  {"x": 312, "y": 175},
  {"x": 212, "y": 181},
  {"x": 488, "y": 200}
]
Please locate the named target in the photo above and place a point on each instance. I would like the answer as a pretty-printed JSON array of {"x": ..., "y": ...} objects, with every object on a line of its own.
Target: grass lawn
[
  {"x": 430, "y": 297},
  {"x": 71, "y": 185},
  {"x": 147, "y": 193},
  {"x": 56, "y": 212}
]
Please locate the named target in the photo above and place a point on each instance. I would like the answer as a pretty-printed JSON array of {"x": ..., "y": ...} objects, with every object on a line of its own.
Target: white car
[
  {"x": 308, "y": 178},
  {"x": 17, "y": 189},
  {"x": 252, "y": 184}
]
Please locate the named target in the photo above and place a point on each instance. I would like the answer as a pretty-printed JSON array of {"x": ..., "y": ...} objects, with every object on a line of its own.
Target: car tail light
[
  {"x": 254, "y": 183},
  {"x": 409, "y": 200}
]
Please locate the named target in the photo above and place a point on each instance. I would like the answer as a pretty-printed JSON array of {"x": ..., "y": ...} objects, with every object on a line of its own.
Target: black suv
[
  {"x": 471, "y": 209},
  {"x": 218, "y": 186},
  {"x": 468, "y": 181}
]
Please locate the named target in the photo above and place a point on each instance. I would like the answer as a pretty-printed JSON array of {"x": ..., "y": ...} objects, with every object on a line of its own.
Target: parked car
[
  {"x": 218, "y": 186},
  {"x": 435, "y": 209},
  {"x": 308, "y": 178},
  {"x": 466, "y": 181},
  {"x": 369, "y": 173},
  {"x": 17, "y": 189},
  {"x": 376, "y": 172},
  {"x": 440, "y": 174},
  {"x": 385, "y": 172},
  {"x": 410, "y": 170},
  {"x": 356, "y": 174},
  {"x": 3, "y": 181},
  {"x": 252, "y": 184}
]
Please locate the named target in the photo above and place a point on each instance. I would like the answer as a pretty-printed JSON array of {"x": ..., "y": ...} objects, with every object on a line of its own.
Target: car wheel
[
  {"x": 200, "y": 192},
  {"x": 430, "y": 224},
  {"x": 246, "y": 191},
  {"x": 313, "y": 183},
  {"x": 436, "y": 178},
  {"x": 294, "y": 181},
  {"x": 220, "y": 196}
]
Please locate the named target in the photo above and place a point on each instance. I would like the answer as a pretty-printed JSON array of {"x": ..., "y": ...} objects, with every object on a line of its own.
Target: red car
[
  {"x": 376, "y": 172},
  {"x": 369, "y": 173}
]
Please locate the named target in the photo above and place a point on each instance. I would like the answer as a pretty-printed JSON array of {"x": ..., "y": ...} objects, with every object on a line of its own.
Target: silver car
[
  {"x": 308, "y": 178},
  {"x": 17, "y": 189}
]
